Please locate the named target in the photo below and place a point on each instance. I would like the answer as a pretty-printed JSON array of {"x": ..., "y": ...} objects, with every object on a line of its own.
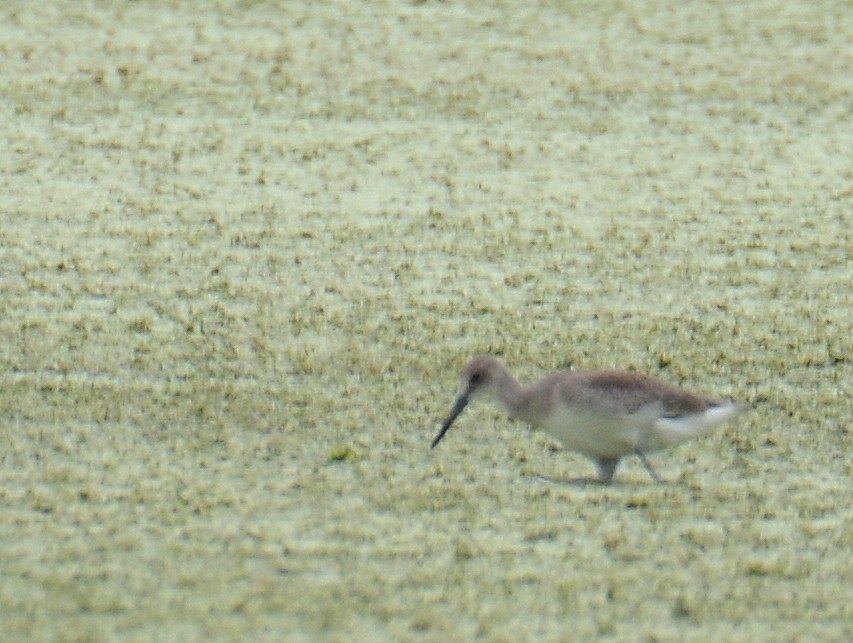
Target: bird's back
[{"x": 609, "y": 414}]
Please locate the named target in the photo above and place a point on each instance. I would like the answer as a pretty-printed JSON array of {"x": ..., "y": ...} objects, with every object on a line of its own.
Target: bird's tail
[{"x": 674, "y": 430}]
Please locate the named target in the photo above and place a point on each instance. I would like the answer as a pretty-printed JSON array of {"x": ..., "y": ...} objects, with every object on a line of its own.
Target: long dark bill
[{"x": 460, "y": 405}]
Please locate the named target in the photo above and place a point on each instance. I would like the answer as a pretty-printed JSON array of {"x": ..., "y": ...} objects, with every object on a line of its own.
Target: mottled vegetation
[{"x": 246, "y": 247}]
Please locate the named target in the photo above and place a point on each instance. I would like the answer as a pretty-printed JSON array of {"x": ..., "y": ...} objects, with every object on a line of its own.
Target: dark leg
[
  {"x": 606, "y": 469},
  {"x": 648, "y": 466}
]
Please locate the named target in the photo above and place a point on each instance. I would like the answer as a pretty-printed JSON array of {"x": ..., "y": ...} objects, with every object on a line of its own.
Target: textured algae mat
[{"x": 247, "y": 247}]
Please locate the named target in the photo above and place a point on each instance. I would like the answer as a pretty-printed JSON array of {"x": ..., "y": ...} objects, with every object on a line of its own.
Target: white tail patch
[{"x": 670, "y": 431}]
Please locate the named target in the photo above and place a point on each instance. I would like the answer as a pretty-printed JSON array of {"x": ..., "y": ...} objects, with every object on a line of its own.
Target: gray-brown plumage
[{"x": 605, "y": 415}]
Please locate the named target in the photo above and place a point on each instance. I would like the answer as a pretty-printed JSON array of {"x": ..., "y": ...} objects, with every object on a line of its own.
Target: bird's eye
[{"x": 475, "y": 378}]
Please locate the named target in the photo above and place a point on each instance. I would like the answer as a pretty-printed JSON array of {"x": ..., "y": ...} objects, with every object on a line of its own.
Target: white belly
[
  {"x": 597, "y": 435},
  {"x": 605, "y": 435}
]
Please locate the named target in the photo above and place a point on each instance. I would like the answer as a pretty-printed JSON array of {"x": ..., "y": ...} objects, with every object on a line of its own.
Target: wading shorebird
[{"x": 604, "y": 415}]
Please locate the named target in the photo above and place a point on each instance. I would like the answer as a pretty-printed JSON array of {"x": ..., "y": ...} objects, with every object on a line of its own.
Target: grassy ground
[{"x": 246, "y": 248}]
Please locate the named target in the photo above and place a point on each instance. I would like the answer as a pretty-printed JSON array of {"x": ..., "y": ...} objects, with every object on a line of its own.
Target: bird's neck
[{"x": 513, "y": 397}]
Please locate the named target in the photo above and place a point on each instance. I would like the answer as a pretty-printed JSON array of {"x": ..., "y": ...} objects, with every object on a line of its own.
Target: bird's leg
[
  {"x": 606, "y": 469},
  {"x": 648, "y": 466}
]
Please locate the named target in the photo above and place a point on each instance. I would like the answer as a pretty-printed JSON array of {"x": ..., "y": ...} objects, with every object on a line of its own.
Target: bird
[{"x": 604, "y": 415}]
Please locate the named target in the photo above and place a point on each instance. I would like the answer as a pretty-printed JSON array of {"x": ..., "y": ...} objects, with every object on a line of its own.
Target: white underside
[{"x": 614, "y": 436}]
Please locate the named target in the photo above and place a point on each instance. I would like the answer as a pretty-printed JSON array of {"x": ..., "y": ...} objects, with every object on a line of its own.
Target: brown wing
[{"x": 629, "y": 392}]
